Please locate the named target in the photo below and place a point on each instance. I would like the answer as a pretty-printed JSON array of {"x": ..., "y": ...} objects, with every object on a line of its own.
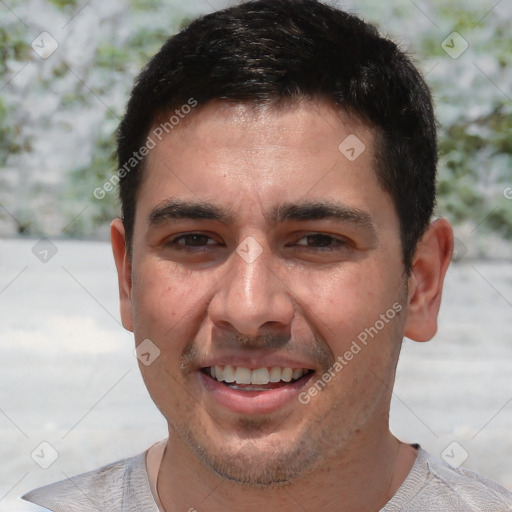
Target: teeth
[
  {"x": 286, "y": 374},
  {"x": 259, "y": 376},
  {"x": 297, "y": 373},
  {"x": 242, "y": 375},
  {"x": 229, "y": 374},
  {"x": 275, "y": 374}
]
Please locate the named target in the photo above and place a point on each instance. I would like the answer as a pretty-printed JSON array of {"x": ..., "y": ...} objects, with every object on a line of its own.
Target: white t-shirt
[{"x": 129, "y": 486}]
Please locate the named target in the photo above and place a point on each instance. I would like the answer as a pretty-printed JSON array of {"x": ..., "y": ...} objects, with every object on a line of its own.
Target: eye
[
  {"x": 321, "y": 241},
  {"x": 190, "y": 240}
]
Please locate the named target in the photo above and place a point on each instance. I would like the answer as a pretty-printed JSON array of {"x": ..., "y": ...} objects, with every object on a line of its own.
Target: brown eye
[
  {"x": 189, "y": 241},
  {"x": 320, "y": 241},
  {"x": 195, "y": 240}
]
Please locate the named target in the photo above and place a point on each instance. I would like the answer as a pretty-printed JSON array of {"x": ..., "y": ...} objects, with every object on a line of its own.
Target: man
[{"x": 277, "y": 163}]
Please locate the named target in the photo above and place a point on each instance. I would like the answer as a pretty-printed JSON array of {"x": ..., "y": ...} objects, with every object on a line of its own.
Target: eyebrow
[
  {"x": 175, "y": 209},
  {"x": 321, "y": 210}
]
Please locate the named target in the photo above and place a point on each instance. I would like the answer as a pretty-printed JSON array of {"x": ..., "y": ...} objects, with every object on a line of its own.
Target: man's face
[{"x": 258, "y": 244}]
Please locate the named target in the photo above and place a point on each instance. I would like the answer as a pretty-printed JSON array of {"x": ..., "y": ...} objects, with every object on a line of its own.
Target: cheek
[
  {"x": 342, "y": 302},
  {"x": 162, "y": 380},
  {"x": 346, "y": 307},
  {"x": 162, "y": 297}
]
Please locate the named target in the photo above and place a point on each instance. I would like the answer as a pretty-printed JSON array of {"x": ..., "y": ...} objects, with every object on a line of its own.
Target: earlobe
[
  {"x": 430, "y": 263},
  {"x": 124, "y": 271}
]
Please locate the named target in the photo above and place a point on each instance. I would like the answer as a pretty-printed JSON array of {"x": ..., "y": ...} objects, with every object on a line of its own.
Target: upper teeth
[{"x": 242, "y": 375}]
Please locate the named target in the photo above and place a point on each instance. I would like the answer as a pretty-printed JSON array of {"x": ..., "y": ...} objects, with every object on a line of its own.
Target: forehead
[
  {"x": 263, "y": 127},
  {"x": 242, "y": 155}
]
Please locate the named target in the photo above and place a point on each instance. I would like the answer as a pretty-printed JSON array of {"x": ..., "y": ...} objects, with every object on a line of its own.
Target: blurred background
[
  {"x": 58, "y": 114},
  {"x": 68, "y": 376}
]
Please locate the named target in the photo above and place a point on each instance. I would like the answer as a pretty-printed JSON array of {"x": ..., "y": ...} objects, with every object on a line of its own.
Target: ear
[
  {"x": 430, "y": 263},
  {"x": 124, "y": 272}
]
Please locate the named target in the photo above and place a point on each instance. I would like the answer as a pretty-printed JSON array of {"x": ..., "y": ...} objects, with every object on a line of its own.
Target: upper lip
[{"x": 253, "y": 362}]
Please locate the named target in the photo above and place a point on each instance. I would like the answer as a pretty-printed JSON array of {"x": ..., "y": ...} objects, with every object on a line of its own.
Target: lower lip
[{"x": 252, "y": 402}]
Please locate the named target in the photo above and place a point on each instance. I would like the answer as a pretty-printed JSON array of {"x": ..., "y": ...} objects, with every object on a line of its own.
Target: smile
[
  {"x": 249, "y": 391},
  {"x": 259, "y": 379}
]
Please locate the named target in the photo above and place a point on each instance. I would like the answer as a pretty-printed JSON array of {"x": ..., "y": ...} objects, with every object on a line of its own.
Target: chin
[
  {"x": 263, "y": 461},
  {"x": 256, "y": 469}
]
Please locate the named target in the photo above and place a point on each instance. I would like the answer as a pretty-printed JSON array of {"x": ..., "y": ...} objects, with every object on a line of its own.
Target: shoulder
[
  {"x": 119, "y": 486},
  {"x": 432, "y": 485}
]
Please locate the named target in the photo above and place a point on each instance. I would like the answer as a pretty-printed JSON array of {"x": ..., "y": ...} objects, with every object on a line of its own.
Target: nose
[{"x": 251, "y": 298}]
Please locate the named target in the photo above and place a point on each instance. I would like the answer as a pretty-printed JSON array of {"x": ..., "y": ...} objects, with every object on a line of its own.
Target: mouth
[
  {"x": 259, "y": 379},
  {"x": 254, "y": 391}
]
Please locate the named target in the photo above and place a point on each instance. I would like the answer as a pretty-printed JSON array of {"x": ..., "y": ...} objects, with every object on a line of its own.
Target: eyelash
[
  {"x": 335, "y": 243},
  {"x": 182, "y": 247},
  {"x": 339, "y": 243}
]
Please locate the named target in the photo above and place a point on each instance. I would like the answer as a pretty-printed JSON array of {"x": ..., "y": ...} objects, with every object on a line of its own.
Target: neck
[{"x": 363, "y": 477}]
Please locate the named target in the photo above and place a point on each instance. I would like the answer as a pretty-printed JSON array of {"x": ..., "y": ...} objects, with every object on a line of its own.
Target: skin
[{"x": 304, "y": 297}]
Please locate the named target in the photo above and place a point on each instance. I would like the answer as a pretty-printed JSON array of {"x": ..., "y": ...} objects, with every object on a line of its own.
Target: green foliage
[
  {"x": 111, "y": 57},
  {"x": 475, "y": 140},
  {"x": 64, "y": 4},
  {"x": 83, "y": 181},
  {"x": 146, "y": 42},
  {"x": 143, "y": 5},
  {"x": 8, "y": 135},
  {"x": 13, "y": 46},
  {"x": 473, "y": 103}
]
